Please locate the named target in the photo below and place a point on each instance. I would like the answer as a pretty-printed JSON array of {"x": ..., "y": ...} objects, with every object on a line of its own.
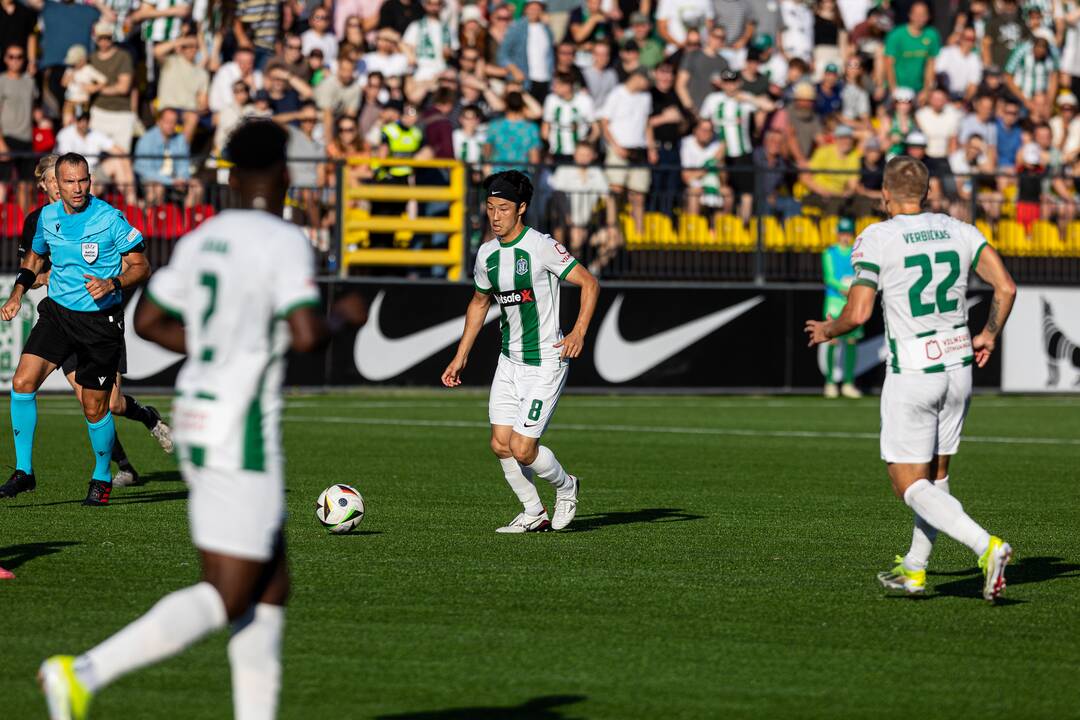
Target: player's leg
[
  {"x": 541, "y": 389},
  {"x": 503, "y": 403},
  {"x": 29, "y": 374},
  {"x": 848, "y": 348},
  {"x": 831, "y": 388},
  {"x": 126, "y": 406}
]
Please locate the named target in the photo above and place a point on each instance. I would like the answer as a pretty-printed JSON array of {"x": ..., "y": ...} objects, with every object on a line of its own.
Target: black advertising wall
[{"x": 740, "y": 338}]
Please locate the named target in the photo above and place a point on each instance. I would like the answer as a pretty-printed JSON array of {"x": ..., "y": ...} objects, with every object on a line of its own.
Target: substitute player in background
[
  {"x": 119, "y": 404},
  {"x": 95, "y": 254},
  {"x": 237, "y": 294},
  {"x": 521, "y": 268},
  {"x": 838, "y": 275},
  {"x": 920, "y": 263}
]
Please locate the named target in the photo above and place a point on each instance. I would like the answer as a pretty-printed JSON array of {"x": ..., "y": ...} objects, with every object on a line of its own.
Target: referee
[{"x": 88, "y": 242}]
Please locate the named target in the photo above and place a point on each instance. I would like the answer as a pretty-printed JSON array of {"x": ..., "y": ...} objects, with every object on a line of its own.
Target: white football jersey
[
  {"x": 920, "y": 264},
  {"x": 233, "y": 281},
  {"x": 523, "y": 276}
]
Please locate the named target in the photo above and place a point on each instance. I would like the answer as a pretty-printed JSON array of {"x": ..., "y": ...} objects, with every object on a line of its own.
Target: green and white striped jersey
[
  {"x": 233, "y": 281},
  {"x": 1030, "y": 75},
  {"x": 569, "y": 121},
  {"x": 523, "y": 275},
  {"x": 163, "y": 28},
  {"x": 731, "y": 119},
  {"x": 920, "y": 264}
]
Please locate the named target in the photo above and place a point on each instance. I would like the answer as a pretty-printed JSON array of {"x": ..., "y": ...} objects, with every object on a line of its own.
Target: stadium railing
[{"x": 666, "y": 239}]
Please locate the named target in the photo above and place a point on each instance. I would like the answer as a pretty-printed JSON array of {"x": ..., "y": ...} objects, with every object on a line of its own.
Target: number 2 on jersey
[
  {"x": 926, "y": 275},
  {"x": 210, "y": 282}
]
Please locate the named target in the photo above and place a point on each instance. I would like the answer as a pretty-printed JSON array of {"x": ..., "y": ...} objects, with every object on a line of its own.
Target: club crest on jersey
[
  {"x": 90, "y": 251},
  {"x": 522, "y": 267},
  {"x": 933, "y": 350},
  {"x": 515, "y": 297}
]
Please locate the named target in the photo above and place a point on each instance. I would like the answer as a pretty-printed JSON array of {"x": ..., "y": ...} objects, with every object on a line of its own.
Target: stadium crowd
[{"x": 699, "y": 106}]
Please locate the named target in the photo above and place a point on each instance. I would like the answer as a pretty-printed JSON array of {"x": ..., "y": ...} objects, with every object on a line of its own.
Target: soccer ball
[{"x": 340, "y": 508}]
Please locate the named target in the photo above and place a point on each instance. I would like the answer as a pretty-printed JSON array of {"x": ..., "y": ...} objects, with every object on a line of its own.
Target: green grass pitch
[{"x": 722, "y": 565}]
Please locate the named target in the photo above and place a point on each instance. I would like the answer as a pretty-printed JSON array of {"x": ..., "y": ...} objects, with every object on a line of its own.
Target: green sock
[
  {"x": 830, "y": 361},
  {"x": 849, "y": 361}
]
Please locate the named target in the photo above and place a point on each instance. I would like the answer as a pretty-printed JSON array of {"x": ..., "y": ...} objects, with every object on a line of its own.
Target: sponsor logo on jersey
[
  {"x": 515, "y": 297},
  {"x": 90, "y": 251},
  {"x": 522, "y": 267}
]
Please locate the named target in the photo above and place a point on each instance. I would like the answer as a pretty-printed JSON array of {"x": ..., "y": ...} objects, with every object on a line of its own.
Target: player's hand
[
  {"x": 42, "y": 279},
  {"x": 983, "y": 345},
  {"x": 11, "y": 308},
  {"x": 571, "y": 345},
  {"x": 816, "y": 330},
  {"x": 98, "y": 287},
  {"x": 451, "y": 376}
]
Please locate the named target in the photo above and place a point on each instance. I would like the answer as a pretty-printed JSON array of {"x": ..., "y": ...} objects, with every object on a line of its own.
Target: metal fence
[{"x": 743, "y": 223}]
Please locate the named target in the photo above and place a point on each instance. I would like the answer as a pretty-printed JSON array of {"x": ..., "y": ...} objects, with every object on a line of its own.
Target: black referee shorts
[{"x": 95, "y": 339}]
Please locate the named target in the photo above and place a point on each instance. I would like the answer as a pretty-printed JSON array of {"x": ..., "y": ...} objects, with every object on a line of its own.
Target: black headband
[{"x": 505, "y": 190}]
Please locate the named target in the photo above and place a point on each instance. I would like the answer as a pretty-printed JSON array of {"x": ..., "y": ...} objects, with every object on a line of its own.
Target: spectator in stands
[
  {"x": 428, "y": 43},
  {"x": 773, "y": 178},
  {"x": 77, "y": 80},
  {"x": 1069, "y": 28},
  {"x": 675, "y": 18},
  {"x": 291, "y": 57},
  {"x": 230, "y": 116},
  {"x": 1065, "y": 128},
  {"x": 17, "y": 95},
  {"x": 732, "y": 112},
  {"x": 17, "y": 25},
  {"x": 287, "y": 92},
  {"x": 590, "y": 25},
  {"x": 399, "y": 14},
  {"x": 473, "y": 33},
  {"x": 111, "y": 108},
  {"x": 829, "y": 100},
  {"x": 530, "y": 48},
  {"x": 892, "y": 129},
  {"x": 830, "y": 37},
  {"x": 828, "y": 188},
  {"x": 569, "y": 117},
  {"x": 255, "y": 27},
  {"x": 940, "y": 123},
  {"x": 1004, "y": 31},
  {"x": 319, "y": 35},
  {"x": 854, "y": 98},
  {"x": 910, "y": 51},
  {"x": 1010, "y": 135},
  {"x": 106, "y": 160},
  {"x": 629, "y": 59},
  {"x": 364, "y": 13},
  {"x": 802, "y": 123},
  {"x": 624, "y": 123},
  {"x": 1030, "y": 70},
  {"x": 600, "y": 78},
  {"x": 698, "y": 67},
  {"x": 470, "y": 137},
  {"x": 339, "y": 94},
  {"x": 565, "y": 56},
  {"x": 915, "y": 146},
  {"x": 967, "y": 164},
  {"x": 501, "y": 18},
  {"x": 582, "y": 202},
  {"x": 241, "y": 68},
  {"x": 63, "y": 24},
  {"x": 387, "y": 58},
  {"x": 980, "y": 121},
  {"x": 701, "y": 156},
  {"x": 184, "y": 84},
  {"x": 866, "y": 189},
  {"x": 797, "y": 38},
  {"x": 737, "y": 19},
  {"x": 959, "y": 66},
  {"x": 163, "y": 163},
  {"x": 512, "y": 139},
  {"x": 670, "y": 121},
  {"x": 651, "y": 50}
]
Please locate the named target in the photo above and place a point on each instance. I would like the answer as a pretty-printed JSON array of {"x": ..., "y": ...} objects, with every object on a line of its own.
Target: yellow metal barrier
[{"x": 358, "y": 224}]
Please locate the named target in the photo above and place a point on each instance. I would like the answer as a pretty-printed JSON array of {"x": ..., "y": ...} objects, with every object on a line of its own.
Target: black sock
[
  {"x": 118, "y": 455},
  {"x": 134, "y": 411}
]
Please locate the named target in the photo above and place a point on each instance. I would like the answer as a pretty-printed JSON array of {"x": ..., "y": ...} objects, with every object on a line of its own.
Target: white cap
[
  {"x": 915, "y": 138},
  {"x": 903, "y": 94},
  {"x": 1067, "y": 98},
  {"x": 471, "y": 13},
  {"x": 1031, "y": 154}
]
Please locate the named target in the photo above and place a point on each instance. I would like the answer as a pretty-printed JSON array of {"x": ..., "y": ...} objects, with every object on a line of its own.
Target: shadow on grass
[
  {"x": 548, "y": 707},
  {"x": 585, "y": 523},
  {"x": 161, "y": 476},
  {"x": 15, "y": 556},
  {"x": 1024, "y": 571},
  {"x": 128, "y": 497}
]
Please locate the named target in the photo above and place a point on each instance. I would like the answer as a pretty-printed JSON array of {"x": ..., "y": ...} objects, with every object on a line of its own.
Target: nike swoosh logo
[
  {"x": 619, "y": 360},
  {"x": 870, "y": 352},
  {"x": 378, "y": 357}
]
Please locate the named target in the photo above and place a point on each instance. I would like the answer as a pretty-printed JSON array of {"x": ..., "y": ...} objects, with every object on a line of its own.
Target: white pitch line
[{"x": 732, "y": 432}]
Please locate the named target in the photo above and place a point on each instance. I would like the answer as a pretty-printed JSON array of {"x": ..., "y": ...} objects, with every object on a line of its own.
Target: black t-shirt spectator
[
  {"x": 668, "y": 132},
  {"x": 287, "y": 103},
  {"x": 16, "y": 28},
  {"x": 826, "y": 32},
  {"x": 603, "y": 31},
  {"x": 759, "y": 86},
  {"x": 1005, "y": 32},
  {"x": 398, "y": 15},
  {"x": 871, "y": 177}
]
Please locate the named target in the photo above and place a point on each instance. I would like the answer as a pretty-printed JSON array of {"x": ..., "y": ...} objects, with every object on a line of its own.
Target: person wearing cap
[
  {"x": 529, "y": 47},
  {"x": 959, "y": 65},
  {"x": 831, "y": 168},
  {"x": 838, "y": 274},
  {"x": 629, "y": 60},
  {"x": 771, "y": 63},
  {"x": 829, "y": 98},
  {"x": 1065, "y": 127},
  {"x": 1036, "y": 160},
  {"x": 79, "y": 76},
  {"x": 732, "y": 112},
  {"x": 800, "y": 119},
  {"x": 650, "y": 49},
  {"x": 1032, "y": 69},
  {"x": 910, "y": 51},
  {"x": 892, "y": 129},
  {"x": 110, "y": 109},
  {"x": 751, "y": 79}
]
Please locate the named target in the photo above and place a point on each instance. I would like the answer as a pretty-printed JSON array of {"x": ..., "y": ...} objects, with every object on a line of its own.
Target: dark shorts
[
  {"x": 741, "y": 175},
  {"x": 71, "y": 363},
  {"x": 95, "y": 339}
]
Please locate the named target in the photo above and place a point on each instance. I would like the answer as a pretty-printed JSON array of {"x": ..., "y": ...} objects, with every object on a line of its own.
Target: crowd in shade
[{"x": 742, "y": 107}]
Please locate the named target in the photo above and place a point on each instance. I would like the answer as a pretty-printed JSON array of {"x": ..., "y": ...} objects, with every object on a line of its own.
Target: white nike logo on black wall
[{"x": 619, "y": 360}]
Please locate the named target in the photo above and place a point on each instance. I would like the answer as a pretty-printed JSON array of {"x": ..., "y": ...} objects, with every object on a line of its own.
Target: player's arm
[
  {"x": 308, "y": 329},
  {"x": 158, "y": 325},
  {"x": 32, "y": 264},
  {"x": 474, "y": 320},
  {"x": 574, "y": 341},
  {"x": 989, "y": 266},
  {"x": 860, "y": 305}
]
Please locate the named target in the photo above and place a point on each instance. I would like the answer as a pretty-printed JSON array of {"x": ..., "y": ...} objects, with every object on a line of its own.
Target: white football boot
[
  {"x": 526, "y": 523},
  {"x": 565, "y": 504}
]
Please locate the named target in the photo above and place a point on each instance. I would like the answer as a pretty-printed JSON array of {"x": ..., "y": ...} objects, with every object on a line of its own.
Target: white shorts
[
  {"x": 525, "y": 396},
  {"x": 238, "y": 513},
  {"x": 922, "y": 415}
]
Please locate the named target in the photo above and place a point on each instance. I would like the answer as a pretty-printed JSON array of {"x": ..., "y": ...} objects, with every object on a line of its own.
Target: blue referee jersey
[{"x": 90, "y": 242}]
